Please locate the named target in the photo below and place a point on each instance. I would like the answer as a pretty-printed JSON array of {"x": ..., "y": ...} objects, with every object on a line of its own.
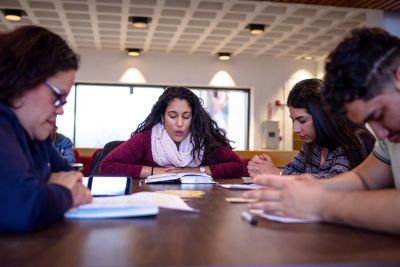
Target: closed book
[
  {"x": 112, "y": 207},
  {"x": 183, "y": 178}
]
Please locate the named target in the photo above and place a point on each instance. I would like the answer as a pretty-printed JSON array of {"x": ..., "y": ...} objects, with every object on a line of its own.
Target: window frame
[{"x": 247, "y": 91}]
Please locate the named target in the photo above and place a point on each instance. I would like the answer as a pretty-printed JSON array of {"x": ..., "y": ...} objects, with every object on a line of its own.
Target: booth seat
[
  {"x": 87, "y": 158},
  {"x": 279, "y": 157}
]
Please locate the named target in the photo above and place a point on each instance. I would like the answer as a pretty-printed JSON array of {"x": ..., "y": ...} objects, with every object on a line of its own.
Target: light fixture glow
[
  {"x": 256, "y": 29},
  {"x": 224, "y": 56},
  {"x": 308, "y": 58},
  {"x": 132, "y": 75},
  {"x": 222, "y": 78},
  {"x": 133, "y": 52},
  {"x": 13, "y": 14},
  {"x": 139, "y": 22}
]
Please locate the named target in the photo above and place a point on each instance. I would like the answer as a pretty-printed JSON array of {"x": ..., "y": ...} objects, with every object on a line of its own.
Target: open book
[{"x": 183, "y": 178}]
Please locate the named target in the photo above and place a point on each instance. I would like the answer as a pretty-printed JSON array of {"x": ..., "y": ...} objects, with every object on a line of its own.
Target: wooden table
[{"x": 214, "y": 236}]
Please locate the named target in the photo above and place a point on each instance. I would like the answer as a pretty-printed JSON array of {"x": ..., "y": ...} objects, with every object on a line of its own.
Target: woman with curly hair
[{"x": 177, "y": 136}]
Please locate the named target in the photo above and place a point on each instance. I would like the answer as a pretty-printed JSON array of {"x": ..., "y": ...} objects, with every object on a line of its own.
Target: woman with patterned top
[
  {"x": 332, "y": 143},
  {"x": 177, "y": 136}
]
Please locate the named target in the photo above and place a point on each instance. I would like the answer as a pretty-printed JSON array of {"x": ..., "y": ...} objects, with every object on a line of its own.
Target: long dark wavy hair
[
  {"x": 332, "y": 130},
  {"x": 205, "y": 132},
  {"x": 29, "y": 56}
]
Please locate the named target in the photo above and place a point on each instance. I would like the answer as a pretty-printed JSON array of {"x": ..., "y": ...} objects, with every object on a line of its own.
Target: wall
[
  {"x": 269, "y": 79},
  {"x": 391, "y": 22}
]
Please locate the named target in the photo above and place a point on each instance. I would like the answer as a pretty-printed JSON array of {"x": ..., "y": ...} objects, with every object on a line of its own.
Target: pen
[{"x": 248, "y": 217}]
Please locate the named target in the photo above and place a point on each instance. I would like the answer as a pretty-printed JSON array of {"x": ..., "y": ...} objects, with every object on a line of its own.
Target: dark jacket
[
  {"x": 27, "y": 201},
  {"x": 65, "y": 147}
]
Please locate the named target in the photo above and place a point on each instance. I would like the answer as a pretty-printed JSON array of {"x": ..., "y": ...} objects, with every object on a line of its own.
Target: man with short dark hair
[{"x": 363, "y": 78}]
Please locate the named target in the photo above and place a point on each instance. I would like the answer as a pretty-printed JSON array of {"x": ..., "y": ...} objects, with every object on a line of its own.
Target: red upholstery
[
  {"x": 87, "y": 162},
  {"x": 77, "y": 157}
]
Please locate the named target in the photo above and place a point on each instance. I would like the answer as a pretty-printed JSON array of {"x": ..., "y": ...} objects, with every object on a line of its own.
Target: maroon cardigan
[{"x": 129, "y": 158}]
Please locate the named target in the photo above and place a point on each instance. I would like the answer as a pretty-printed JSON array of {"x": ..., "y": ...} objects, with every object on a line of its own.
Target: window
[{"x": 99, "y": 113}]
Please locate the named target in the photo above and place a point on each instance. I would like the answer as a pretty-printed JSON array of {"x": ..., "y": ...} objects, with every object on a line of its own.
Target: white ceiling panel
[{"x": 195, "y": 26}]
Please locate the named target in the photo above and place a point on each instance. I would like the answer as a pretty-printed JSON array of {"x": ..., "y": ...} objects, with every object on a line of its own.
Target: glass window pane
[
  {"x": 106, "y": 113},
  {"x": 229, "y": 108},
  {"x": 112, "y": 112}
]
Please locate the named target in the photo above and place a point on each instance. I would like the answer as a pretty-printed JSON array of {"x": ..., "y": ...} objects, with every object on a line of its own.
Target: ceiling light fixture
[
  {"x": 133, "y": 52},
  {"x": 139, "y": 22},
  {"x": 224, "y": 56},
  {"x": 13, "y": 14},
  {"x": 256, "y": 29},
  {"x": 308, "y": 58}
]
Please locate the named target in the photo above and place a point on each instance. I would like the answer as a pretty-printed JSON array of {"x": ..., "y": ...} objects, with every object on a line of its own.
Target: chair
[
  {"x": 90, "y": 161},
  {"x": 97, "y": 159},
  {"x": 77, "y": 156}
]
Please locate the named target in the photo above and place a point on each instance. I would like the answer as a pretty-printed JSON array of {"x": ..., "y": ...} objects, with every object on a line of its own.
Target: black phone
[{"x": 109, "y": 185}]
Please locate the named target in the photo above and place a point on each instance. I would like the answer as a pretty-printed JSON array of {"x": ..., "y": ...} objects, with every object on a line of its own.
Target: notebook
[{"x": 112, "y": 207}]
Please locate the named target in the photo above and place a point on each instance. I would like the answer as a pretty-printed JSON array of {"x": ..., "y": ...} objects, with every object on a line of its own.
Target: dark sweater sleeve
[
  {"x": 227, "y": 164},
  {"x": 128, "y": 158},
  {"x": 27, "y": 201}
]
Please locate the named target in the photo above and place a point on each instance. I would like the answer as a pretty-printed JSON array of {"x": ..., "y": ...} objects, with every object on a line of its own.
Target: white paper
[
  {"x": 161, "y": 200},
  {"x": 142, "y": 198},
  {"x": 113, "y": 202},
  {"x": 241, "y": 186},
  {"x": 138, "y": 204},
  {"x": 282, "y": 219}
]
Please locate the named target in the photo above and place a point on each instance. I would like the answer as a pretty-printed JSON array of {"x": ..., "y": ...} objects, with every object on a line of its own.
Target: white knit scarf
[{"x": 165, "y": 152}]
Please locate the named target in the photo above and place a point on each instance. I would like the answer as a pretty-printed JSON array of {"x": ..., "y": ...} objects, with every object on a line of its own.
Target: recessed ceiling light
[
  {"x": 139, "y": 22},
  {"x": 13, "y": 14},
  {"x": 224, "y": 56},
  {"x": 133, "y": 52},
  {"x": 307, "y": 58},
  {"x": 256, "y": 29}
]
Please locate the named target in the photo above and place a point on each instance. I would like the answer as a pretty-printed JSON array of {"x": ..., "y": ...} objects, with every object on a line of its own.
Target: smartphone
[{"x": 109, "y": 185}]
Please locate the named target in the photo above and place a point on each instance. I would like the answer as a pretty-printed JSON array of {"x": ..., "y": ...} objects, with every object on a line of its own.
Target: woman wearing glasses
[
  {"x": 178, "y": 136},
  {"x": 37, "y": 185}
]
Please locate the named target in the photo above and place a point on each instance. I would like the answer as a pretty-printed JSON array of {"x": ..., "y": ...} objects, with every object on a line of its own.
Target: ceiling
[
  {"x": 391, "y": 5},
  {"x": 194, "y": 26}
]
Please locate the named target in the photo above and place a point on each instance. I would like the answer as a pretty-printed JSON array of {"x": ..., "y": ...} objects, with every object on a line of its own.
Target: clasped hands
[{"x": 261, "y": 164}]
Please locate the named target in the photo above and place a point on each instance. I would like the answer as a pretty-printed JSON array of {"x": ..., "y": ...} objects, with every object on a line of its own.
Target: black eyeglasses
[{"x": 60, "y": 100}]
